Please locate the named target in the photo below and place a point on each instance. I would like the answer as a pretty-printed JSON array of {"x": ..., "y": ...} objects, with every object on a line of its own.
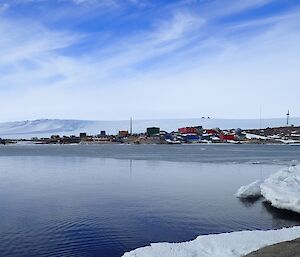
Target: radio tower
[
  {"x": 288, "y": 117},
  {"x": 130, "y": 125}
]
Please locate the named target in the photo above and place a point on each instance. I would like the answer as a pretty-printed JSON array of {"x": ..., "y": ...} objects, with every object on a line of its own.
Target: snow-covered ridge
[
  {"x": 46, "y": 127},
  {"x": 281, "y": 189},
  {"x": 41, "y": 126},
  {"x": 235, "y": 244}
]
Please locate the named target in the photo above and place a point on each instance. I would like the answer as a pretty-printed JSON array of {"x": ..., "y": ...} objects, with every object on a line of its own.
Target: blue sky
[{"x": 112, "y": 59}]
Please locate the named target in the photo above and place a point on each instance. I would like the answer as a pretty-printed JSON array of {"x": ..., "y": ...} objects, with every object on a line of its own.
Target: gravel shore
[{"x": 284, "y": 249}]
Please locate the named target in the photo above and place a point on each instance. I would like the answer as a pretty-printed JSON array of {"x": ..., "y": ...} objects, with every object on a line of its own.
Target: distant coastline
[
  {"x": 288, "y": 134},
  {"x": 47, "y": 127}
]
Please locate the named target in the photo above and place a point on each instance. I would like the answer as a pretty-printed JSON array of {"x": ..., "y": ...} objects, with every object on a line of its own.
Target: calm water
[{"x": 105, "y": 200}]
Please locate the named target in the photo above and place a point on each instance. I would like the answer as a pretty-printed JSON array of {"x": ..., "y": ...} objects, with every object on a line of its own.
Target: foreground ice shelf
[{"x": 235, "y": 244}]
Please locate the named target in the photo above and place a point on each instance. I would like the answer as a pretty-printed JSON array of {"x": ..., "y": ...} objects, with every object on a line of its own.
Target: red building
[
  {"x": 227, "y": 137},
  {"x": 188, "y": 130},
  {"x": 211, "y": 131}
]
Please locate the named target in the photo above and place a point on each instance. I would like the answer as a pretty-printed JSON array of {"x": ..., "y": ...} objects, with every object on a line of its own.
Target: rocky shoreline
[{"x": 283, "y": 249}]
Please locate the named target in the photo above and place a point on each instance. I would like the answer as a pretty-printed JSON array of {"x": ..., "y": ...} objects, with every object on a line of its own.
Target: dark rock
[{"x": 284, "y": 249}]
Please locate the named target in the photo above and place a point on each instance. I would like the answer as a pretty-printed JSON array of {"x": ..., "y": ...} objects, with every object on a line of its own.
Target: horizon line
[{"x": 149, "y": 119}]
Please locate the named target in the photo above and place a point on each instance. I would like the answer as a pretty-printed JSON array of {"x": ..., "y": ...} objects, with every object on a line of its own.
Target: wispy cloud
[
  {"x": 181, "y": 60},
  {"x": 225, "y": 8},
  {"x": 93, "y": 3},
  {"x": 179, "y": 26}
]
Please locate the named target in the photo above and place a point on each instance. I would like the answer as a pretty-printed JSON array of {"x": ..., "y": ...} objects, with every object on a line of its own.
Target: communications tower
[{"x": 130, "y": 125}]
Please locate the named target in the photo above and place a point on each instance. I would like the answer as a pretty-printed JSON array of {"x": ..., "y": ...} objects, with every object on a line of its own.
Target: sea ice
[
  {"x": 235, "y": 244},
  {"x": 250, "y": 191},
  {"x": 282, "y": 189}
]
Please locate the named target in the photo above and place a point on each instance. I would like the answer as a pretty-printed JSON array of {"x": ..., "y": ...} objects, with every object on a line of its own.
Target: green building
[{"x": 153, "y": 131}]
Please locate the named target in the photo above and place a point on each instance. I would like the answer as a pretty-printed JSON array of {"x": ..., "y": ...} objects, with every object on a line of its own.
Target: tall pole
[
  {"x": 259, "y": 118},
  {"x": 288, "y": 117},
  {"x": 130, "y": 125}
]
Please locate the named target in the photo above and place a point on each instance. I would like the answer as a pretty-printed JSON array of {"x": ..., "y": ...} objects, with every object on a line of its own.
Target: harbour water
[{"x": 104, "y": 200}]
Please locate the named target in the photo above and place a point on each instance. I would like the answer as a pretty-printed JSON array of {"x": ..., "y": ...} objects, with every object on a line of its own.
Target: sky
[{"x": 149, "y": 59}]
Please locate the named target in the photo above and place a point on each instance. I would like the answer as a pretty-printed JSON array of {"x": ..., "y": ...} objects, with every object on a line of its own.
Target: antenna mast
[
  {"x": 288, "y": 117},
  {"x": 259, "y": 118},
  {"x": 130, "y": 125}
]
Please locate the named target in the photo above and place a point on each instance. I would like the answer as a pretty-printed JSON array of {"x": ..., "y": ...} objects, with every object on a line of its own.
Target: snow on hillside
[
  {"x": 20, "y": 129},
  {"x": 47, "y": 127}
]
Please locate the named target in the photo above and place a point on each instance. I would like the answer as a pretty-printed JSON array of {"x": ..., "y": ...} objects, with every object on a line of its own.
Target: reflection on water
[
  {"x": 251, "y": 154},
  {"x": 73, "y": 205},
  {"x": 249, "y": 202},
  {"x": 281, "y": 218}
]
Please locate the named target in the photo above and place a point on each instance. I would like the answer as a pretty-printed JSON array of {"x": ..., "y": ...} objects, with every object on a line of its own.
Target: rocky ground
[
  {"x": 284, "y": 249},
  {"x": 291, "y": 132}
]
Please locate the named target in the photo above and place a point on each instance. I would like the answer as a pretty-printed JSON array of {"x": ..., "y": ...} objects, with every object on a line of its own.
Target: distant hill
[{"x": 47, "y": 127}]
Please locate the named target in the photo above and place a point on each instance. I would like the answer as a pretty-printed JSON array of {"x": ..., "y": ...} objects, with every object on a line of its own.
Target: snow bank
[
  {"x": 233, "y": 244},
  {"x": 254, "y": 136},
  {"x": 250, "y": 191},
  {"x": 282, "y": 189}
]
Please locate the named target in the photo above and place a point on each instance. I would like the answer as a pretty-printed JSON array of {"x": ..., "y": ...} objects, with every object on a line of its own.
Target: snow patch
[
  {"x": 253, "y": 136},
  {"x": 235, "y": 244},
  {"x": 250, "y": 191}
]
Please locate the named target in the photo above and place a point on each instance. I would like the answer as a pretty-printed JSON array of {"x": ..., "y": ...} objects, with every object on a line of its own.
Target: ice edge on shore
[{"x": 234, "y": 244}]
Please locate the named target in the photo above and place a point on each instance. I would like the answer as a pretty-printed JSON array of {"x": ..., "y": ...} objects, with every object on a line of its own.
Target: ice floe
[
  {"x": 281, "y": 189},
  {"x": 250, "y": 191},
  {"x": 235, "y": 244}
]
